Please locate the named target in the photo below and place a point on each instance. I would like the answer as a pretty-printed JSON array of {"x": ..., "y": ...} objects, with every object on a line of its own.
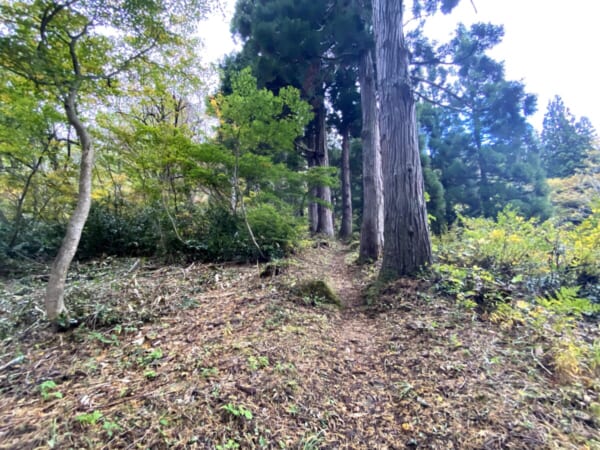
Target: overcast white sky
[{"x": 551, "y": 45}]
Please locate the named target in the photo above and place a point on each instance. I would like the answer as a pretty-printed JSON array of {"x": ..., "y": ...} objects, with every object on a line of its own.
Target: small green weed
[
  {"x": 312, "y": 441},
  {"x": 230, "y": 444},
  {"x": 209, "y": 372},
  {"x": 293, "y": 410},
  {"x": 237, "y": 411},
  {"x": 48, "y": 390},
  {"x": 110, "y": 427},
  {"x": 96, "y": 336},
  {"x": 89, "y": 418},
  {"x": 154, "y": 355},
  {"x": 255, "y": 363}
]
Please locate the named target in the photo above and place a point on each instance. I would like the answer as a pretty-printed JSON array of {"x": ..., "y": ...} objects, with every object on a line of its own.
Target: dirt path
[
  {"x": 356, "y": 334},
  {"x": 347, "y": 279},
  {"x": 225, "y": 358}
]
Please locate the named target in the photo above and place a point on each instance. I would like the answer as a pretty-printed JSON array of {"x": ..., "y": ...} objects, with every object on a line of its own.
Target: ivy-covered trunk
[{"x": 407, "y": 245}]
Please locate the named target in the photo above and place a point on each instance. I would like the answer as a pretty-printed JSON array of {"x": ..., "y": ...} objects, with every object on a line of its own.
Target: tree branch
[
  {"x": 437, "y": 103},
  {"x": 48, "y": 16},
  {"x": 440, "y": 87},
  {"x": 125, "y": 64}
]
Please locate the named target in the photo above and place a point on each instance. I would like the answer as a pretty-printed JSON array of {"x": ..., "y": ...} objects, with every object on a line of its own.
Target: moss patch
[{"x": 317, "y": 292}]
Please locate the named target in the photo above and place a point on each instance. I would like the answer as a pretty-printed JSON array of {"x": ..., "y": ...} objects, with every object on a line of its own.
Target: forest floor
[{"x": 218, "y": 356}]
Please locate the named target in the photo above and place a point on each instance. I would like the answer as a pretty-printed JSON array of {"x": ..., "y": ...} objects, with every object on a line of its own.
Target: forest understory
[{"x": 247, "y": 356}]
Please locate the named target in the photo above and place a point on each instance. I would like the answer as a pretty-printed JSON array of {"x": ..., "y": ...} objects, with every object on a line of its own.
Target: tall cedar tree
[
  {"x": 345, "y": 101},
  {"x": 352, "y": 46},
  {"x": 407, "y": 245}
]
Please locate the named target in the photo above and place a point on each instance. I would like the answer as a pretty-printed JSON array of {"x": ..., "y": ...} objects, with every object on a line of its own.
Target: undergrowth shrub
[
  {"x": 471, "y": 286},
  {"x": 538, "y": 257},
  {"x": 276, "y": 230},
  {"x": 208, "y": 233},
  {"x": 126, "y": 232},
  {"x": 219, "y": 236},
  {"x": 538, "y": 277},
  {"x": 36, "y": 240},
  {"x": 507, "y": 246},
  {"x": 224, "y": 235},
  {"x": 583, "y": 252}
]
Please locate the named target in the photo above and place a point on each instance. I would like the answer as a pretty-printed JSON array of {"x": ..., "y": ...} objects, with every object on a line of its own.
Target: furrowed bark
[
  {"x": 324, "y": 213},
  {"x": 371, "y": 233},
  {"x": 407, "y": 246},
  {"x": 346, "y": 225}
]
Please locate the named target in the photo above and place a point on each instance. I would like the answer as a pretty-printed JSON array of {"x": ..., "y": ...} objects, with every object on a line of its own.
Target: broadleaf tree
[{"x": 75, "y": 50}]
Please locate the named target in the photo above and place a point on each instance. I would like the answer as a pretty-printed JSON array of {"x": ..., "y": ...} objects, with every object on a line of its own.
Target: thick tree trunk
[
  {"x": 346, "y": 225},
  {"x": 371, "y": 232},
  {"x": 55, "y": 306},
  {"x": 407, "y": 245},
  {"x": 325, "y": 215}
]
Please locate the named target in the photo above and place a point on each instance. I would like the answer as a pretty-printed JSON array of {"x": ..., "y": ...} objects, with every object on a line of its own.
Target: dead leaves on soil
[{"x": 227, "y": 359}]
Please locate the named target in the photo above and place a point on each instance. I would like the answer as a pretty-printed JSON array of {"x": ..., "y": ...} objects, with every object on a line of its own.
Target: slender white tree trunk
[
  {"x": 371, "y": 232},
  {"x": 55, "y": 291},
  {"x": 407, "y": 245}
]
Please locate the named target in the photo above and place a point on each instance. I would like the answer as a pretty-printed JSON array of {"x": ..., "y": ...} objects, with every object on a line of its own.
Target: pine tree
[
  {"x": 565, "y": 141},
  {"x": 482, "y": 144}
]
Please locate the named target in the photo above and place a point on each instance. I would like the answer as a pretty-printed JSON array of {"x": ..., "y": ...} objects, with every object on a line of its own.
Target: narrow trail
[
  {"x": 347, "y": 279},
  {"x": 359, "y": 334},
  {"x": 411, "y": 371},
  {"x": 357, "y": 337}
]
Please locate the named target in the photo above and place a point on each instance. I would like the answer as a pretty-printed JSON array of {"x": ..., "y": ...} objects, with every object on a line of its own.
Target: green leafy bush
[
  {"x": 36, "y": 240},
  {"x": 566, "y": 301},
  {"x": 221, "y": 235},
  {"x": 472, "y": 286},
  {"x": 276, "y": 230},
  {"x": 540, "y": 277},
  {"x": 538, "y": 257},
  {"x": 124, "y": 232},
  {"x": 207, "y": 233},
  {"x": 509, "y": 245}
]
